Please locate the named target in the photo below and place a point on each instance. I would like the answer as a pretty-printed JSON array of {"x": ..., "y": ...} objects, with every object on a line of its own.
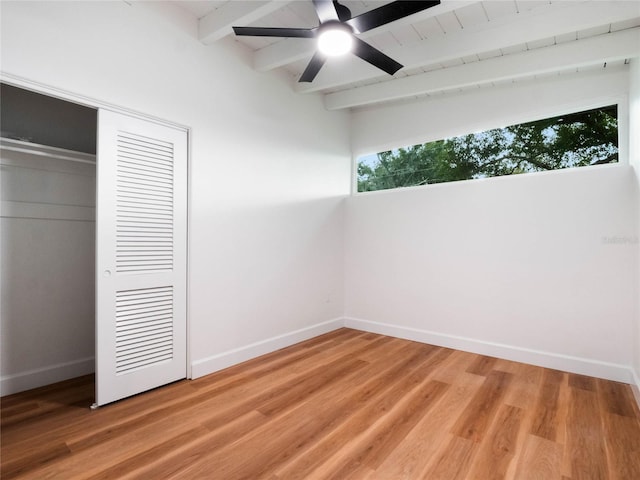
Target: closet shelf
[{"x": 46, "y": 151}]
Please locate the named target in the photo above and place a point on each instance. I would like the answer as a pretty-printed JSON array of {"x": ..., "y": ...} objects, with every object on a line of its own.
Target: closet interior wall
[{"x": 47, "y": 244}]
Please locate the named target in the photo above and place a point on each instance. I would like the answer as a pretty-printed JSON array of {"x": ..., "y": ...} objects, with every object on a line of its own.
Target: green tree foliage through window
[{"x": 573, "y": 140}]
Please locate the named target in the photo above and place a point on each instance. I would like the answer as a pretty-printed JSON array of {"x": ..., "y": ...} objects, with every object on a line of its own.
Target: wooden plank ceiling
[{"x": 454, "y": 46}]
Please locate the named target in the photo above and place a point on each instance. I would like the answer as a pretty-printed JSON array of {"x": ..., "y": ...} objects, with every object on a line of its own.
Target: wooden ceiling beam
[{"x": 562, "y": 57}]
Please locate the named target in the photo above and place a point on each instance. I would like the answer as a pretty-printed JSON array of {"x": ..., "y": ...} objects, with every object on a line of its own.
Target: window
[{"x": 567, "y": 141}]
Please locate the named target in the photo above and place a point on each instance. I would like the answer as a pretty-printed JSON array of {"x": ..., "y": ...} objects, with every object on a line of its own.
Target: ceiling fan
[{"x": 336, "y": 34}]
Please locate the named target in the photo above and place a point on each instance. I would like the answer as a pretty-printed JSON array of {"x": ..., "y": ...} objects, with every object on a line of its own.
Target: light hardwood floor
[{"x": 346, "y": 405}]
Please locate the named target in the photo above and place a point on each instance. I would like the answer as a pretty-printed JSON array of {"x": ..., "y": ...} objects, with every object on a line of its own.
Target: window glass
[{"x": 567, "y": 141}]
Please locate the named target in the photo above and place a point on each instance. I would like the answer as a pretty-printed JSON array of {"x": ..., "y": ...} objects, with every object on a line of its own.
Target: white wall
[
  {"x": 634, "y": 159},
  {"x": 47, "y": 269},
  {"x": 527, "y": 267},
  {"x": 269, "y": 168}
]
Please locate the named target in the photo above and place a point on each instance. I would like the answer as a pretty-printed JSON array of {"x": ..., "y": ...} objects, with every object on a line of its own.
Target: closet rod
[{"x": 46, "y": 151}]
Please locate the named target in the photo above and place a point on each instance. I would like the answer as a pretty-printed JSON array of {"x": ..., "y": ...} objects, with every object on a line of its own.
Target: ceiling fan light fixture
[{"x": 335, "y": 39}]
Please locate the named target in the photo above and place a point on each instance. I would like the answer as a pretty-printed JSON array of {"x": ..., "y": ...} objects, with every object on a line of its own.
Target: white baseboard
[
  {"x": 635, "y": 386},
  {"x": 567, "y": 363},
  {"x": 226, "y": 359},
  {"x": 19, "y": 382}
]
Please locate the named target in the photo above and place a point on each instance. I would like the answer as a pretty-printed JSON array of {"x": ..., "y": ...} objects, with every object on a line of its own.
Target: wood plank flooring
[{"x": 345, "y": 405}]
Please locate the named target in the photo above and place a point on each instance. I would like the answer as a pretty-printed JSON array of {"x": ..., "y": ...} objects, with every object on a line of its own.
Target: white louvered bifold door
[{"x": 141, "y": 256}]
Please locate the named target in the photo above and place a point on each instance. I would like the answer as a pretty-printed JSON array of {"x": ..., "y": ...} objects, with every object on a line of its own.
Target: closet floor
[{"x": 345, "y": 405}]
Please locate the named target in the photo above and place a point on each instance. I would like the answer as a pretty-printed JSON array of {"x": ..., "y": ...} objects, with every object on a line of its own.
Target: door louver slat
[
  {"x": 140, "y": 334},
  {"x": 144, "y": 204},
  {"x": 132, "y": 343},
  {"x": 148, "y": 199},
  {"x": 151, "y": 307},
  {"x": 144, "y": 328}
]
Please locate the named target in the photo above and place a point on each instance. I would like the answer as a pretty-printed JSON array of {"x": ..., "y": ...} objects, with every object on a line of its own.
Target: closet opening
[{"x": 47, "y": 244}]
